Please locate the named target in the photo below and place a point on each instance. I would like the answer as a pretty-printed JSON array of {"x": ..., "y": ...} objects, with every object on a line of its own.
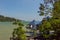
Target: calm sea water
[{"x": 6, "y": 29}]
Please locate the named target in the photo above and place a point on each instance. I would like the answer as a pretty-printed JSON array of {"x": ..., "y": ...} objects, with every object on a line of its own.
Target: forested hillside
[{"x": 7, "y": 19}]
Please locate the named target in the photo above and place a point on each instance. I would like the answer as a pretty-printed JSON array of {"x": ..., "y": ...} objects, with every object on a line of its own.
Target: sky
[{"x": 21, "y": 9}]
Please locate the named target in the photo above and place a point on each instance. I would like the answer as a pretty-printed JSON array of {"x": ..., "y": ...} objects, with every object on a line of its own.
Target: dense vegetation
[
  {"x": 52, "y": 23},
  {"x": 19, "y": 33},
  {"x": 7, "y": 19}
]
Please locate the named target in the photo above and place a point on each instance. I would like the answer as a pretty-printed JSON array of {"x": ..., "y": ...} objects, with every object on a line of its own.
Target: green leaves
[
  {"x": 41, "y": 14},
  {"x": 41, "y": 10},
  {"x": 19, "y": 23},
  {"x": 44, "y": 9},
  {"x": 45, "y": 25},
  {"x": 41, "y": 7},
  {"x": 19, "y": 32},
  {"x": 54, "y": 22},
  {"x": 56, "y": 10}
]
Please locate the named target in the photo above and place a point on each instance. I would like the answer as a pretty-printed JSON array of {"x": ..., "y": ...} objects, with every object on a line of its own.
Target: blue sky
[{"x": 21, "y": 9}]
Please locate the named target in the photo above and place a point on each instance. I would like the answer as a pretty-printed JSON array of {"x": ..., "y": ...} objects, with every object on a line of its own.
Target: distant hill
[
  {"x": 10, "y": 19},
  {"x": 7, "y": 19}
]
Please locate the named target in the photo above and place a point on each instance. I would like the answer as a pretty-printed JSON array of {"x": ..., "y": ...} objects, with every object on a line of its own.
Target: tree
[
  {"x": 54, "y": 22},
  {"x": 45, "y": 27},
  {"x": 19, "y": 33},
  {"x": 45, "y": 8},
  {"x": 56, "y": 10}
]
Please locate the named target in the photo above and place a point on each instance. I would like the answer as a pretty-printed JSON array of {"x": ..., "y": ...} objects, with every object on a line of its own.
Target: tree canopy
[
  {"x": 54, "y": 22},
  {"x": 19, "y": 32}
]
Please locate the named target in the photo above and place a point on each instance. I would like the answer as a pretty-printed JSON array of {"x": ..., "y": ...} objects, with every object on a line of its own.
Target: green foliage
[
  {"x": 7, "y": 19},
  {"x": 44, "y": 10},
  {"x": 19, "y": 23},
  {"x": 56, "y": 10},
  {"x": 41, "y": 14},
  {"x": 41, "y": 10},
  {"x": 45, "y": 27},
  {"x": 41, "y": 7},
  {"x": 19, "y": 32},
  {"x": 56, "y": 24},
  {"x": 53, "y": 23}
]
